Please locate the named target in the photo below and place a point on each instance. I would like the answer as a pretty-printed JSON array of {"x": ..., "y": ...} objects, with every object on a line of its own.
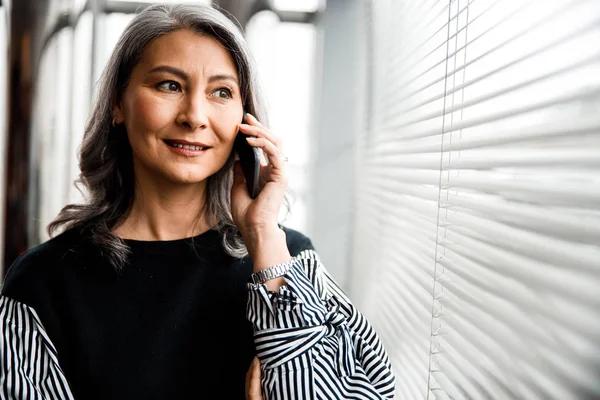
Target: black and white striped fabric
[
  {"x": 29, "y": 366},
  {"x": 313, "y": 343}
]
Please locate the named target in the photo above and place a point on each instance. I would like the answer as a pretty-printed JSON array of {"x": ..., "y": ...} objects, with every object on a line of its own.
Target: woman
[{"x": 146, "y": 293}]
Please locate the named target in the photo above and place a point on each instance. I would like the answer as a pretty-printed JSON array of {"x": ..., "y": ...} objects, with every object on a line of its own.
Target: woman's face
[{"x": 181, "y": 108}]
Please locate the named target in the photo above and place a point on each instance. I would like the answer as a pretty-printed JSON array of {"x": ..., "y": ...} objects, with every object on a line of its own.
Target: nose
[{"x": 193, "y": 113}]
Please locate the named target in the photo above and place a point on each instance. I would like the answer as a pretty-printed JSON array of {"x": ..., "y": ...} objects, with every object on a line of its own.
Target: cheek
[
  {"x": 227, "y": 136},
  {"x": 146, "y": 114},
  {"x": 227, "y": 127}
]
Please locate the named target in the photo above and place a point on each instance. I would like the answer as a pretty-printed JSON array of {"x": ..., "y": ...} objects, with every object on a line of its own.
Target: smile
[{"x": 186, "y": 148}]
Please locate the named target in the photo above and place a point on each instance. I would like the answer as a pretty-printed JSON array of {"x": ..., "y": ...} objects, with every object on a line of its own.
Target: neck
[{"x": 165, "y": 212}]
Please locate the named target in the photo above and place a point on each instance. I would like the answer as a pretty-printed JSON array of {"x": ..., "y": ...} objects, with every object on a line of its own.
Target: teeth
[{"x": 187, "y": 146}]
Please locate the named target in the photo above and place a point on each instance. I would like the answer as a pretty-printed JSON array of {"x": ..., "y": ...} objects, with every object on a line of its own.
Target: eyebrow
[
  {"x": 223, "y": 77},
  {"x": 181, "y": 74}
]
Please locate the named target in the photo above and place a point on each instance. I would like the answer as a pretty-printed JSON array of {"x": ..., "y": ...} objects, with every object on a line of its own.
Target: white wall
[{"x": 338, "y": 121}]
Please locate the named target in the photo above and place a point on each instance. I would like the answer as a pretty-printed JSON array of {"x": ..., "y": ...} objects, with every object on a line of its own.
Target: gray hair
[{"x": 105, "y": 157}]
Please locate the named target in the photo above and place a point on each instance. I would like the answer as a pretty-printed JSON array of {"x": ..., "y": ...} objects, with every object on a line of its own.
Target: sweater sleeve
[
  {"x": 312, "y": 341},
  {"x": 28, "y": 362}
]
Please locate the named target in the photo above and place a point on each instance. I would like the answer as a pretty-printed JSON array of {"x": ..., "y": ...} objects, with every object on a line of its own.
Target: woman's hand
[
  {"x": 251, "y": 216},
  {"x": 253, "y": 391},
  {"x": 257, "y": 219}
]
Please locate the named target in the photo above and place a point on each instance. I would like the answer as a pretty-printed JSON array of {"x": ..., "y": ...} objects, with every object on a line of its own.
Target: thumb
[
  {"x": 253, "y": 389},
  {"x": 239, "y": 182}
]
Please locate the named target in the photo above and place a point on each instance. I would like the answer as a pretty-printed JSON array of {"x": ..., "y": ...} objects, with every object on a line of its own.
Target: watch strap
[{"x": 272, "y": 272}]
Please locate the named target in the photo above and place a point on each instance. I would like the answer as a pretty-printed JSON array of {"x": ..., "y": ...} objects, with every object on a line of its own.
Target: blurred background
[{"x": 444, "y": 155}]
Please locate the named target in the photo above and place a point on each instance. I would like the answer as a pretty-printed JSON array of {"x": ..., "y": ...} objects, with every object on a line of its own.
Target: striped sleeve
[
  {"x": 312, "y": 342},
  {"x": 28, "y": 361}
]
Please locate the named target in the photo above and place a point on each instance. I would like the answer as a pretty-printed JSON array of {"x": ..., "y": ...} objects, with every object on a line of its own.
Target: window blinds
[{"x": 477, "y": 232}]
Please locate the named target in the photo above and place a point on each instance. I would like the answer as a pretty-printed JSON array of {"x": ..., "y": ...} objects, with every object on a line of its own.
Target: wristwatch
[{"x": 272, "y": 272}]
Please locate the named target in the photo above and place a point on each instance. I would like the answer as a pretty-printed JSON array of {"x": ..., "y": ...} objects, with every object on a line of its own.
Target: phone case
[{"x": 250, "y": 161}]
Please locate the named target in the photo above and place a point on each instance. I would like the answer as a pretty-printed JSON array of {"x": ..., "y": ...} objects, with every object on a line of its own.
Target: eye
[
  {"x": 223, "y": 93},
  {"x": 169, "y": 86}
]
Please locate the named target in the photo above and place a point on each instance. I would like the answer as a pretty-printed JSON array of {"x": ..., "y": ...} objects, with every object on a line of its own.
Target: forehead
[{"x": 188, "y": 51}]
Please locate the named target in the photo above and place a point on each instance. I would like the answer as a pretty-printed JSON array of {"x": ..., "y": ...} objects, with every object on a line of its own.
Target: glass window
[
  {"x": 284, "y": 53},
  {"x": 81, "y": 95},
  {"x": 78, "y": 5},
  {"x": 296, "y": 5},
  {"x": 110, "y": 27},
  {"x": 50, "y": 133},
  {"x": 208, "y": 2}
]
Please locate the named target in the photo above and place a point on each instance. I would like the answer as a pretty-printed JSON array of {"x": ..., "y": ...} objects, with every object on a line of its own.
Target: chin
[
  {"x": 189, "y": 180},
  {"x": 187, "y": 177},
  {"x": 189, "y": 174}
]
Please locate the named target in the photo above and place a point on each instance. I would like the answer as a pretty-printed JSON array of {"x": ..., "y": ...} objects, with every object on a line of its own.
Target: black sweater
[{"x": 171, "y": 325}]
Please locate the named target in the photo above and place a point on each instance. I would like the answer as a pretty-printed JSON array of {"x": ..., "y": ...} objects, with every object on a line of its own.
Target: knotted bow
[
  {"x": 337, "y": 325},
  {"x": 275, "y": 347}
]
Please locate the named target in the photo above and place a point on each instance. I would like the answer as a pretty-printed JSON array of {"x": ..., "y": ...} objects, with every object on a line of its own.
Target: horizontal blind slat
[
  {"x": 512, "y": 292},
  {"x": 590, "y": 59},
  {"x": 493, "y": 137},
  {"x": 486, "y": 159},
  {"x": 565, "y": 226},
  {"x": 487, "y": 115},
  {"x": 568, "y": 194},
  {"x": 587, "y": 94},
  {"x": 540, "y": 247},
  {"x": 514, "y": 37},
  {"x": 532, "y": 272}
]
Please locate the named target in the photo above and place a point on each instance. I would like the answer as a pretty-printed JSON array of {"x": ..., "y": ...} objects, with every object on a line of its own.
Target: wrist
[
  {"x": 257, "y": 232},
  {"x": 266, "y": 247},
  {"x": 274, "y": 272}
]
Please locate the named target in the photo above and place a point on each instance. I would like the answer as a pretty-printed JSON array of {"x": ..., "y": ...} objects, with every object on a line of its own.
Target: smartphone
[{"x": 250, "y": 161}]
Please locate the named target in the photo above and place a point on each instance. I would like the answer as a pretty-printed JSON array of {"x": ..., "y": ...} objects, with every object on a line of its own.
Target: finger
[
  {"x": 263, "y": 159},
  {"x": 255, "y": 366},
  {"x": 238, "y": 174},
  {"x": 260, "y": 131},
  {"x": 251, "y": 118},
  {"x": 253, "y": 389},
  {"x": 274, "y": 155}
]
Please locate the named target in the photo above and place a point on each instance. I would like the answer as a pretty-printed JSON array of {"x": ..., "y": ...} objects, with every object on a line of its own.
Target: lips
[{"x": 183, "y": 144}]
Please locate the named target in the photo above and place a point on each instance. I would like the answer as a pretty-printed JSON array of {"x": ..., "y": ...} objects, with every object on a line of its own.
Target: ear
[{"x": 117, "y": 114}]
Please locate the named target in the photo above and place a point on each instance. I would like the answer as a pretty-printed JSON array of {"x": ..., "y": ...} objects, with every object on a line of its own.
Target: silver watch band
[{"x": 272, "y": 272}]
